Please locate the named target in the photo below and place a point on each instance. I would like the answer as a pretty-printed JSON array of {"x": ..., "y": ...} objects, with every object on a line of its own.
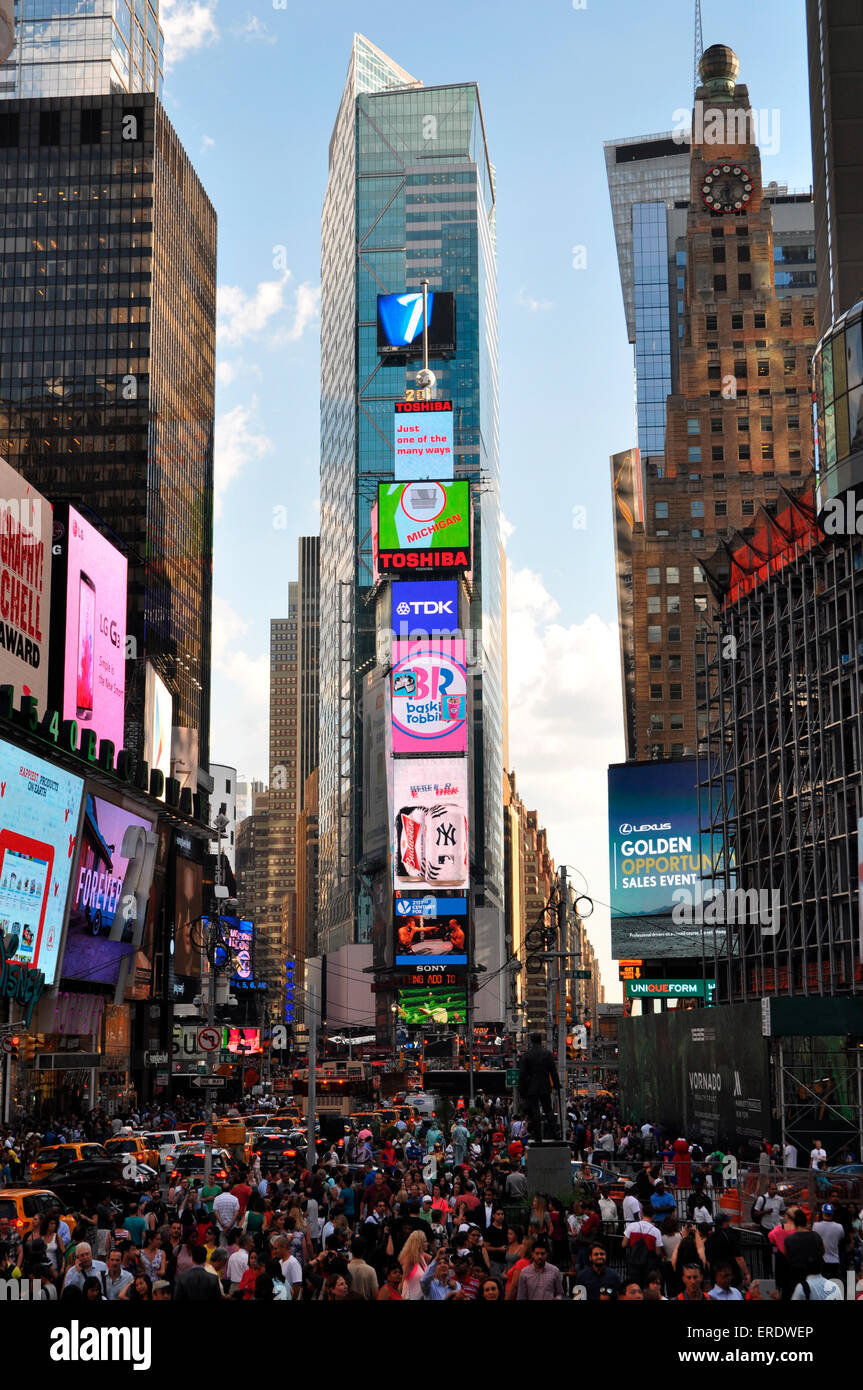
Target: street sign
[
  {"x": 156, "y": 1059},
  {"x": 512, "y": 1076},
  {"x": 582, "y": 974},
  {"x": 7, "y": 1044},
  {"x": 209, "y": 1039},
  {"x": 202, "y": 1082},
  {"x": 208, "y": 1136}
]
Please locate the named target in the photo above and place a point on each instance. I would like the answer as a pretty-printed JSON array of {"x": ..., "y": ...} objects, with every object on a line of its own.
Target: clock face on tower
[{"x": 727, "y": 188}]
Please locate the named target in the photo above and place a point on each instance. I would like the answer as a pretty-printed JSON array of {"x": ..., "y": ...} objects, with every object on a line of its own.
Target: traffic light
[
  {"x": 14, "y": 1048},
  {"x": 29, "y": 1050},
  {"x": 569, "y": 1008}
]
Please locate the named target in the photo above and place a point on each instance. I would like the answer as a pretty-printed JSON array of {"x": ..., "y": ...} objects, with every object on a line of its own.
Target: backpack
[{"x": 641, "y": 1261}]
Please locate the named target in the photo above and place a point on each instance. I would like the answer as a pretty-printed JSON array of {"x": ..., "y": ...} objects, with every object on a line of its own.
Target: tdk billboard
[
  {"x": 400, "y": 324},
  {"x": 425, "y": 608}
]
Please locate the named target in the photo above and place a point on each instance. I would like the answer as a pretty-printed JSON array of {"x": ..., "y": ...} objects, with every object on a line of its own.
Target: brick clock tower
[{"x": 738, "y": 422}]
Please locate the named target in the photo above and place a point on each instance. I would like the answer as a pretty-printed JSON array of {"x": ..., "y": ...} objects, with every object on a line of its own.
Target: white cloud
[
  {"x": 255, "y": 30},
  {"x": 242, "y": 316},
  {"x": 237, "y": 445},
  {"x": 527, "y": 301},
  {"x": 507, "y": 529},
  {"x": 227, "y": 372},
  {"x": 188, "y": 25},
  {"x": 241, "y": 681},
  {"x": 307, "y": 310},
  {"x": 565, "y": 727},
  {"x": 207, "y": 143}
]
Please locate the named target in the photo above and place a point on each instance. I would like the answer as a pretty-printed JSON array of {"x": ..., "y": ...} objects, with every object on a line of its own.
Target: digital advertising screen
[
  {"x": 431, "y": 936},
  {"x": 94, "y": 667},
  {"x": 158, "y": 720},
  {"x": 108, "y": 886},
  {"x": 188, "y": 908},
  {"x": 425, "y": 608},
  {"x": 401, "y": 323},
  {"x": 40, "y": 806},
  {"x": 422, "y": 1008},
  {"x": 658, "y": 859},
  {"x": 241, "y": 936},
  {"x": 430, "y": 845},
  {"x": 429, "y": 696},
  {"x": 26, "y": 528},
  {"x": 241, "y": 1041},
  {"x": 422, "y": 440},
  {"x": 376, "y": 763},
  {"x": 423, "y": 526}
]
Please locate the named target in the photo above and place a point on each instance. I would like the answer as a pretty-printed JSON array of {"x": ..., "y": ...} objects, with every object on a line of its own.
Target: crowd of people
[{"x": 432, "y": 1211}]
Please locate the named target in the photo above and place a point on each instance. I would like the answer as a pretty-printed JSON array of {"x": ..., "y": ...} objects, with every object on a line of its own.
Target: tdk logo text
[
  {"x": 430, "y": 607},
  {"x": 401, "y": 316}
]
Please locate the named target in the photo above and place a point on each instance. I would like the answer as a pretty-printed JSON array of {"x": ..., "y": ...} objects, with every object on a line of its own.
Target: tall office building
[
  {"x": 737, "y": 425},
  {"x": 107, "y": 359},
  {"x": 308, "y": 643},
  {"x": 835, "y": 31},
  {"x": 410, "y": 194},
  {"x": 283, "y": 798},
  {"x": 67, "y": 48}
]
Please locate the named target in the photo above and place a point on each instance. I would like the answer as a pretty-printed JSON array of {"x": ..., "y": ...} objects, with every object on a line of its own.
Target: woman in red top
[{"x": 246, "y": 1290}]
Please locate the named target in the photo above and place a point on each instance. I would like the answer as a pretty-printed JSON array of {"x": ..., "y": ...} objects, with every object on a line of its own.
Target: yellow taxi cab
[
  {"x": 136, "y": 1146},
  {"x": 293, "y": 1113},
  {"x": 56, "y": 1155},
  {"x": 367, "y": 1119},
  {"x": 25, "y": 1206}
]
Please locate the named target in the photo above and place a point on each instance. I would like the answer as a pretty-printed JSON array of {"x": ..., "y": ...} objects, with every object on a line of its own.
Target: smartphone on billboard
[
  {"x": 86, "y": 645},
  {"x": 25, "y": 876}
]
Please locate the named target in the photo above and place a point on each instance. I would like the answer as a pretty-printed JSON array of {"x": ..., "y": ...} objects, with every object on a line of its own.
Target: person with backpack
[{"x": 644, "y": 1249}]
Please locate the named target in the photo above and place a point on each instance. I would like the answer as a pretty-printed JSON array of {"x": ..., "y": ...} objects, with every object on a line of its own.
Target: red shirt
[{"x": 242, "y": 1192}]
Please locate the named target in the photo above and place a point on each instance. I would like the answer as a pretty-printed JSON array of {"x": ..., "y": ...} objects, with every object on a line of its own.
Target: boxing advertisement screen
[
  {"x": 431, "y": 938},
  {"x": 429, "y": 696},
  {"x": 26, "y": 523},
  {"x": 422, "y": 440},
  {"x": 107, "y": 888},
  {"x": 40, "y": 806},
  {"x": 430, "y": 825},
  {"x": 94, "y": 667},
  {"x": 423, "y": 528}
]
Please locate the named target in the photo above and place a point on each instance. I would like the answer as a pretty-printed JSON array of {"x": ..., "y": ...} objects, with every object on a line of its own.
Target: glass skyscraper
[
  {"x": 84, "y": 48},
  {"x": 410, "y": 195}
]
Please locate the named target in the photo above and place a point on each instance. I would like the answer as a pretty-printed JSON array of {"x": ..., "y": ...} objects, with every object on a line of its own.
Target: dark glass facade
[{"x": 107, "y": 359}]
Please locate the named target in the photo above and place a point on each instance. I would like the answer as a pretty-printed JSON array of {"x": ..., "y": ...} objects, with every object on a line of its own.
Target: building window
[
  {"x": 716, "y": 424},
  {"x": 720, "y": 508},
  {"x": 718, "y": 255},
  {"x": 694, "y": 453},
  {"x": 809, "y": 320},
  {"x": 693, "y": 426},
  {"x": 700, "y": 603},
  {"x": 654, "y": 603},
  {"x": 661, "y": 509},
  {"x": 711, "y": 323},
  {"x": 794, "y": 422},
  {"x": 744, "y": 282},
  {"x": 672, "y": 574},
  {"x": 696, "y": 506},
  {"x": 760, "y": 320},
  {"x": 766, "y": 449},
  {"x": 657, "y": 723},
  {"x": 697, "y": 574},
  {"x": 742, "y": 254},
  {"x": 695, "y": 477},
  {"x": 740, "y": 367},
  {"x": 767, "y": 424},
  {"x": 656, "y": 692},
  {"x": 763, "y": 366},
  {"x": 743, "y": 424},
  {"x": 654, "y": 634},
  {"x": 717, "y": 453},
  {"x": 736, "y": 320},
  {"x": 674, "y": 634},
  {"x": 672, "y": 603},
  {"x": 674, "y": 663},
  {"x": 653, "y": 574},
  {"x": 714, "y": 371},
  {"x": 677, "y": 750},
  {"x": 656, "y": 663},
  {"x": 675, "y": 692},
  {"x": 748, "y": 506},
  {"x": 719, "y": 285},
  {"x": 785, "y": 320},
  {"x": 676, "y": 722}
]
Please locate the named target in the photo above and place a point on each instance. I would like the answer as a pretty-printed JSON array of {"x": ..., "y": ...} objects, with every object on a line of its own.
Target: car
[
  {"x": 610, "y": 1184},
  {"x": 367, "y": 1119},
  {"x": 96, "y": 1178},
  {"x": 133, "y": 1146},
  {"x": 851, "y": 1170},
  {"x": 261, "y": 1121},
  {"x": 280, "y": 1148},
  {"x": 163, "y": 1141},
  {"x": 25, "y": 1206},
  {"x": 55, "y": 1156},
  {"x": 190, "y": 1164}
]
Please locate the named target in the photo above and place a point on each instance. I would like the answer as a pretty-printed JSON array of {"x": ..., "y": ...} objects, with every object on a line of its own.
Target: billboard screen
[
  {"x": 424, "y": 526},
  {"x": 26, "y": 527},
  {"x": 158, "y": 718},
  {"x": 431, "y": 936},
  {"x": 430, "y": 843},
  {"x": 427, "y": 1007},
  {"x": 241, "y": 936},
  {"x": 188, "y": 907},
  {"x": 422, "y": 439},
  {"x": 400, "y": 324},
  {"x": 39, "y": 810},
  {"x": 429, "y": 696},
  {"x": 704, "y": 1073},
  {"x": 107, "y": 886},
  {"x": 656, "y": 851},
  {"x": 425, "y": 608},
  {"x": 94, "y": 668},
  {"x": 376, "y": 762},
  {"x": 241, "y": 1040}
]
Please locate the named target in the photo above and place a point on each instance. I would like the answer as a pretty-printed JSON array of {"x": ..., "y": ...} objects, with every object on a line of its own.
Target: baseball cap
[
  {"x": 160, "y": 1284},
  {"x": 364, "y": 1134},
  {"x": 426, "y": 1199},
  {"x": 827, "y": 1208}
]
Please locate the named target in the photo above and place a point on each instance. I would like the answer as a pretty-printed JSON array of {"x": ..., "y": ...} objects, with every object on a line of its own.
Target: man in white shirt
[
  {"x": 770, "y": 1207},
  {"x": 632, "y": 1210},
  {"x": 790, "y": 1155},
  {"x": 646, "y": 1129},
  {"x": 226, "y": 1209},
  {"x": 238, "y": 1263},
  {"x": 292, "y": 1270},
  {"x": 608, "y": 1212},
  {"x": 833, "y": 1235},
  {"x": 817, "y": 1155}
]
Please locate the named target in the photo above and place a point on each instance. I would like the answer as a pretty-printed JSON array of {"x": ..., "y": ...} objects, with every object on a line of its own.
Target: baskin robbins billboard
[
  {"x": 429, "y": 696},
  {"x": 423, "y": 527}
]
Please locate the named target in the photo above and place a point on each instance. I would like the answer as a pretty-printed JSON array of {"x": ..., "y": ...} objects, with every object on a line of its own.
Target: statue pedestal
[{"x": 548, "y": 1170}]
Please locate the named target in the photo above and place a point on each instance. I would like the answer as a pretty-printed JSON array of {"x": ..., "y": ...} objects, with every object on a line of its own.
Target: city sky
[{"x": 253, "y": 90}]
